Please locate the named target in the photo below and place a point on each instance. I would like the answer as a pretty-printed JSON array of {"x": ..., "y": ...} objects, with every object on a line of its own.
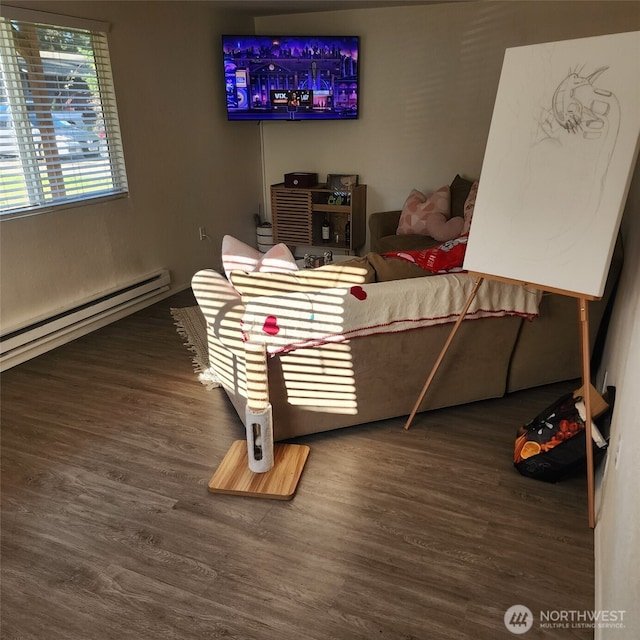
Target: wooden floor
[{"x": 108, "y": 530}]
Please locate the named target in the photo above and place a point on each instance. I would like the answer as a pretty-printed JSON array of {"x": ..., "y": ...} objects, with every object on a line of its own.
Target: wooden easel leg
[
  {"x": 445, "y": 348},
  {"x": 586, "y": 390}
]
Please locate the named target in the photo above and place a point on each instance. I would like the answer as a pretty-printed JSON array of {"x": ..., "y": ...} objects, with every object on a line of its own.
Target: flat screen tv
[{"x": 291, "y": 77}]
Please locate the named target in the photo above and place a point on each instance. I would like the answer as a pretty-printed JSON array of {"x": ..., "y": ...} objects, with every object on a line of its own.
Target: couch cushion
[
  {"x": 418, "y": 207},
  {"x": 236, "y": 255},
  {"x": 405, "y": 243},
  {"x": 394, "y": 268},
  {"x": 460, "y": 188},
  {"x": 343, "y": 274}
]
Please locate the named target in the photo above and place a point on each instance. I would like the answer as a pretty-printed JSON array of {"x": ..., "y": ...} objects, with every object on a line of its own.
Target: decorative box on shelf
[{"x": 300, "y": 180}]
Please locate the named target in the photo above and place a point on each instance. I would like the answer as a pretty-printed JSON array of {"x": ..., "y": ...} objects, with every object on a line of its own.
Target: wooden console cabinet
[{"x": 299, "y": 213}]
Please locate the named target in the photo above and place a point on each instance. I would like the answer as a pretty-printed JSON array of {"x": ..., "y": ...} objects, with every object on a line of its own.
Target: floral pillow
[
  {"x": 418, "y": 207},
  {"x": 238, "y": 256}
]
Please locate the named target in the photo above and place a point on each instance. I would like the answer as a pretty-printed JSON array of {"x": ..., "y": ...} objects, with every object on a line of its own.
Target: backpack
[{"x": 552, "y": 445}]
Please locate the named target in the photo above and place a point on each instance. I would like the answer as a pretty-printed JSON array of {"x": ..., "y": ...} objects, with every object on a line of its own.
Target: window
[{"x": 59, "y": 134}]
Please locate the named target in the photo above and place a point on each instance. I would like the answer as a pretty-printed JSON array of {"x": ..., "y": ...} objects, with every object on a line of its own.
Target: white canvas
[{"x": 562, "y": 147}]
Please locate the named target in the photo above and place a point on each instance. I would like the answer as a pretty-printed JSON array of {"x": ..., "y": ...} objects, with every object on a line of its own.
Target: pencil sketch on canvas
[
  {"x": 578, "y": 134},
  {"x": 562, "y": 145}
]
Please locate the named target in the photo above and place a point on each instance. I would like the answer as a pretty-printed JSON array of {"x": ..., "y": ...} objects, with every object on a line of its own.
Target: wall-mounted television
[{"x": 291, "y": 77}]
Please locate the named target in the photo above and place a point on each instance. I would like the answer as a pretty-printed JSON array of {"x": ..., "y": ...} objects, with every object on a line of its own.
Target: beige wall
[
  {"x": 429, "y": 77},
  {"x": 187, "y": 167}
]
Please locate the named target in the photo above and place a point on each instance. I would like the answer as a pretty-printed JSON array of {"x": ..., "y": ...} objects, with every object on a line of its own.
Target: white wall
[
  {"x": 617, "y": 536},
  {"x": 187, "y": 167}
]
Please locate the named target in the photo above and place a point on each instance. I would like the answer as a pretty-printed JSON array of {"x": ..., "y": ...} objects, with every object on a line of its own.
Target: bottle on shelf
[
  {"x": 326, "y": 230},
  {"x": 347, "y": 233}
]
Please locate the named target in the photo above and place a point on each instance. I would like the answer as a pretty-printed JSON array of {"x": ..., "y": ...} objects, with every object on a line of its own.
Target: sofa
[
  {"x": 383, "y": 225},
  {"x": 326, "y": 360}
]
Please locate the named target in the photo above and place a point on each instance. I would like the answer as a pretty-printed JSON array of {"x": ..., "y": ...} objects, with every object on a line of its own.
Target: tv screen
[{"x": 291, "y": 77}]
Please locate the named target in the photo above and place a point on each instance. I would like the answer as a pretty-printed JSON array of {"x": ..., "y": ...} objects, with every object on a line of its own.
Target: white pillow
[{"x": 238, "y": 256}]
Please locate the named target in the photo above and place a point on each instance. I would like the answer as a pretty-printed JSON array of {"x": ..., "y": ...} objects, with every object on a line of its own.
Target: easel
[{"x": 583, "y": 309}]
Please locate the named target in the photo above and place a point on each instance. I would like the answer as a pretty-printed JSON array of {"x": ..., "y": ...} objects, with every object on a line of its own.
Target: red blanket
[{"x": 445, "y": 258}]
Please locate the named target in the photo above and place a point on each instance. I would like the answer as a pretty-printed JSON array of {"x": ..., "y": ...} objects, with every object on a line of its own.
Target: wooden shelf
[
  {"x": 332, "y": 208},
  {"x": 298, "y": 213}
]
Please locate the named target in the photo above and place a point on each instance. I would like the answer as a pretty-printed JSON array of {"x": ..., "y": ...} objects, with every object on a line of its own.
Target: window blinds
[{"x": 59, "y": 133}]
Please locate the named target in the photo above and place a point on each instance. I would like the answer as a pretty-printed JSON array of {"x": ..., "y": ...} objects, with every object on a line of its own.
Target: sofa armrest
[
  {"x": 222, "y": 308},
  {"x": 381, "y": 224}
]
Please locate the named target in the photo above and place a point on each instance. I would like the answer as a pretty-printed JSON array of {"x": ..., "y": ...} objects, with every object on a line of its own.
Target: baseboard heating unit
[{"x": 47, "y": 333}]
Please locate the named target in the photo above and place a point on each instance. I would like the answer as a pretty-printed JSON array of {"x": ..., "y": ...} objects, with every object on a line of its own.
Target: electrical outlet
[{"x": 202, "y": 232}]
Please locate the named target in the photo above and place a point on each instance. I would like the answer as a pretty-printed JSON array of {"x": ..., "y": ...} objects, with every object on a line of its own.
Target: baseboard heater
[{"x": 47, "y": 333}]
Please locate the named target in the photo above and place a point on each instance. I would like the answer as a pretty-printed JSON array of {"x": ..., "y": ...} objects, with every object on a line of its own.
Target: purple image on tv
[{"x": 291, "y": 77}]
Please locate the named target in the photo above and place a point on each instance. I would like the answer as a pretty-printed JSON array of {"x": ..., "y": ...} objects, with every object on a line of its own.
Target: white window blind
[{"x": 59, "y": 134}]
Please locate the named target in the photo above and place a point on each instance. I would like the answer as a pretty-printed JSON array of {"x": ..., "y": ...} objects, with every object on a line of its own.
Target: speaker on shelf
[{"x": 300, "y": 180}]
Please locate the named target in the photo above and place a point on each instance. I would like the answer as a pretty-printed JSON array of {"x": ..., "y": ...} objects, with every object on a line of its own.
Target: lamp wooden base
[{"x": 233, "y": 476}]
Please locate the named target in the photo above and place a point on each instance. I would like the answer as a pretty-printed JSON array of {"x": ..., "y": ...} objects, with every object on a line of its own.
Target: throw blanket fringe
[{"x": 191, "y": 327}]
